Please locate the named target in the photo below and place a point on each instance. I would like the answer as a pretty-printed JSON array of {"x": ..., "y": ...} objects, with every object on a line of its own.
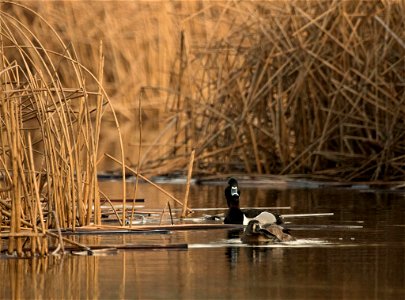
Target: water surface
[{"x": 356, "y": 253}]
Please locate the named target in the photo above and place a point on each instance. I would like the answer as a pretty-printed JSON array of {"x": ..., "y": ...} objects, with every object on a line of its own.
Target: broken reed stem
[
  {"x": 147, "y": 180},
  {"x": 189, "y": 173},
  {"x": 162, "y": 214},
  {"x": 112, "y": 206},
  {"x": 15, "y": 244},
  {"x": 99, "y": 110},
  {"x": 1, "y": 228},
  {"x": 138, "y": 165},
  {"x": 59, "y": 232},
  {"x": 170, "y": 212},
  {"x": 38, "y": 208}
]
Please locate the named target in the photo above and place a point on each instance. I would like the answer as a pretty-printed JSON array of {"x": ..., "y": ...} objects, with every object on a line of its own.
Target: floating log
[
  {"x": 115, "y": 231},
  {"x": 112, "y": 249},
  {"x": 221, "y": 208},
  {"x": 323, "y": 227},
  {"x": 137, "y": 200},
  {"x": 307, "y": 215},
  {"x": 168, "y": 227}
]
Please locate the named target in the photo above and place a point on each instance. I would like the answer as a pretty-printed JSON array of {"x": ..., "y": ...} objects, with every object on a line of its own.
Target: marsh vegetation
[{"x": 291, "y": 88}]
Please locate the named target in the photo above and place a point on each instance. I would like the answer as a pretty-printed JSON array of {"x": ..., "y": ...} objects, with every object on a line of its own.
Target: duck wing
[
  {"x": 286, "y": 230},
  {"x": 279, "y": 232},
  {"x": 267, "y": 233},
  {"x": 264, "y": 217}
]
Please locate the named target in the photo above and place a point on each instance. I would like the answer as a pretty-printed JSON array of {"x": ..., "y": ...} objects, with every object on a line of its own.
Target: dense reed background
[
  {"x": 297, "y": 87},
  {"x": 256, "y": 87}
]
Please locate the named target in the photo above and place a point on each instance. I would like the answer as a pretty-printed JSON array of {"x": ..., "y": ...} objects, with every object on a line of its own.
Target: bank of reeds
[
  {"x": 315, "y": 88},
  {"x": 259, "y": 87},
  {"x": 49, "y": 135},
  {"x": 139, "y": 42}
]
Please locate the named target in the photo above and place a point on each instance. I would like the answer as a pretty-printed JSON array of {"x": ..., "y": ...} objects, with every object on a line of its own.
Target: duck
[
  {"x": 231, "y": 190},
  {"x": 255, "y": 233},
  {"x": 235, "y": 215},
  {"x": 283, "y": 234}
]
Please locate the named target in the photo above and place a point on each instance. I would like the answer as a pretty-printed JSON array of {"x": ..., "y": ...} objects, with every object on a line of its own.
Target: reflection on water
[{"x": 358, "y": 252}]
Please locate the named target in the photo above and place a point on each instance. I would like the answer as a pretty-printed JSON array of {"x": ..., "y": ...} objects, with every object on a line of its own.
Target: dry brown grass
[
  {"x": 314, "y": 88},
  {"x": 277, "y": 87},
  {"x": 140, "y": 41},
  {"x": 49, "y": 135}
]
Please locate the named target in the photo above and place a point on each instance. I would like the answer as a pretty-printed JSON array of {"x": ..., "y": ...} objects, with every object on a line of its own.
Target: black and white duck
[{"x": 235, "y": 215}]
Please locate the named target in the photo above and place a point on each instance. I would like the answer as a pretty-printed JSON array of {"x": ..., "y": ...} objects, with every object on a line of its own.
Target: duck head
[
  {"x": 232, "y": 191},
  {"x": 253, "y": 227},
  {"x": 233, "y": 184}
]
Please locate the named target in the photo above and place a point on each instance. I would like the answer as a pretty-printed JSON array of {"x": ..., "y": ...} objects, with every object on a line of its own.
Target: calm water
[{"x": 357, "y": 253}]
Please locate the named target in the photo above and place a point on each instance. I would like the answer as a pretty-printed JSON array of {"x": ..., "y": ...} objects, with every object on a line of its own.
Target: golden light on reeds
[
  {"x": 49, "y": 137},
  {"x": 315, "y": 88},
  {"x": 269, "y": 87},
  {"x": 266, "y": 87}
]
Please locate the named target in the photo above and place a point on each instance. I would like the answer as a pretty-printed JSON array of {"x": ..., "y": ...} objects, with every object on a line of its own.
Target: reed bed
[
  {"x": 49, "y": 136},
  {"x": 309, "y": 88},
  {"x": 313, "y": 88},
  {"x": 139, "y": 44}
]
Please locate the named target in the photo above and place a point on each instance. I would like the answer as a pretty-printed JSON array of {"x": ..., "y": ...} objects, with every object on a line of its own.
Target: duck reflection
[
  {"x": 232, "y": 253},
  {"x": 256, "y": 255}
]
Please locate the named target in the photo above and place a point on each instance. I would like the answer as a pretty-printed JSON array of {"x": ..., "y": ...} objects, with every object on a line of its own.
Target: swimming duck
[
  {"x": 235, "y": 215},
  {"x": 255, "y": 233}
]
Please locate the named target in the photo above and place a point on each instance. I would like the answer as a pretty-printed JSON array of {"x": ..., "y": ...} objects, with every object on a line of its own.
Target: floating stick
[
  {"x": 307, "y": 215},
  {"x": 190, "y": 171}
]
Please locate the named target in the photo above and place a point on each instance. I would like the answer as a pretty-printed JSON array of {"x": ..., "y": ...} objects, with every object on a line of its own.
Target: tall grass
[
  {"x": 49, "y": 134},
  {"x": 140, "y": 43},
  {"x": 313, "y": 88},
  {"x": 259, "y": 87}
]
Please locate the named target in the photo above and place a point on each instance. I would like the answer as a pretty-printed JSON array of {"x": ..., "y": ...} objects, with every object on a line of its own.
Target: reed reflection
[{"x": 50, "y": 277}]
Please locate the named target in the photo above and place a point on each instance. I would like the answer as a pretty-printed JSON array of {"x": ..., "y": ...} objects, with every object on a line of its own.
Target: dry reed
[
  {"x": 309, "y": 88},
  {"x": 49, "y": 136},
  {"x": 276, "y": 87}
]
